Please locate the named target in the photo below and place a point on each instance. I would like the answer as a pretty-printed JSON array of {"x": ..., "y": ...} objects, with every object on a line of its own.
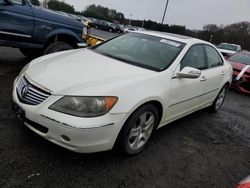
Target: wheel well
[
  {"x": 158, "y": 106},
  {"x": 63, "y": 38},
  {"x": 227, "y": 84}
]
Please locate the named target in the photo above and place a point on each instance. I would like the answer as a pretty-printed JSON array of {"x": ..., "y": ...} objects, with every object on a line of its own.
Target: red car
[
  {"x": 241, "y": 71},
  {"x": 245, "y": 183}
]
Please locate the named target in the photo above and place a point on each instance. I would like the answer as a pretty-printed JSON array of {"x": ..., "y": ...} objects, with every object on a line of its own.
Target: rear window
[
  {"x": 228, "y": 47},
  {"x": 241, "y": 58}
]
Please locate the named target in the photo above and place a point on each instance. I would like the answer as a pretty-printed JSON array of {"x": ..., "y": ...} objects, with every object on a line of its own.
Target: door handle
[
  {"x": 222, "y": 73},
  {"x": 203, "y": 78}
]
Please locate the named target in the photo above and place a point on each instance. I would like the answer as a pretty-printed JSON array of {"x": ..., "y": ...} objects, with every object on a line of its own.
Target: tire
[
  {"x": 219, "y": 100},
  {"x": 57, "y": 47},
  {"x": 110, "y": 30},
  {"x": 31, "y": 53},
  {"x": 138, "y": 129}
]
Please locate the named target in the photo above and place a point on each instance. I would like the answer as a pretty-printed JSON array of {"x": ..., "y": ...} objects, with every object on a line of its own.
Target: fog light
[{"x": 65, "y": 138}]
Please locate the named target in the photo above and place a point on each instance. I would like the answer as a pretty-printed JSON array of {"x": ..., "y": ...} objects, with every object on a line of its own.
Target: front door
[
  {"x": 16, "y": 21},
  {"x": 186, "y": 93}
]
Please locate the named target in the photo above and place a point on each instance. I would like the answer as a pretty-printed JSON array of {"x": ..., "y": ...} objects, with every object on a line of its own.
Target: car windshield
[
  {"x": 241, "y": 58},
  {"x": 142, "y": 50},
  {"x": 228, "y": 47}
]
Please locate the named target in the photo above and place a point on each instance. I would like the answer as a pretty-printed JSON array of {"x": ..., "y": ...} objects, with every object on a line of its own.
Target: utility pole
[
  {"x": 164, "y": 14},
  {"x": 143, "y": 23},
  {"x": 130, "y": 15},
  {"x": 211, "y": 38}
]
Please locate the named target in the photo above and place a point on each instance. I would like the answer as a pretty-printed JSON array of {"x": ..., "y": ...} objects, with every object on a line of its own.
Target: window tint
[
  {"x": 194, "y": 58},
  {"x": 213, "y": 58},
  {"x": 142, "y": 50},
  {"x": 17, "y": 2}
]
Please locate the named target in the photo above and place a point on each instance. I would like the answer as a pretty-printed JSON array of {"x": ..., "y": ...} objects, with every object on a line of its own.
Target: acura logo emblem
[{"x": 25, "y": 90}]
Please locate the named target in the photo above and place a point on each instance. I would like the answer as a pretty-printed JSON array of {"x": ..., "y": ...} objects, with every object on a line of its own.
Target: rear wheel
[
  {"x": 57, "y": 47},
  {"x": 138, "y": 129},
  {"x": 219, "y": 100}
]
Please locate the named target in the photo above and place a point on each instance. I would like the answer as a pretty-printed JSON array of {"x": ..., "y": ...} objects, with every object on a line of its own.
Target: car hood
[
  {"x": 47, "y": 14},
  {"x": 67, "y": 72},
  {"x": 238, "y": 66}
]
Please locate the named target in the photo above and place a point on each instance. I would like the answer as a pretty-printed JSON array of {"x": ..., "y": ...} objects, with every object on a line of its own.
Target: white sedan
[{"x": 120, "y": 91}]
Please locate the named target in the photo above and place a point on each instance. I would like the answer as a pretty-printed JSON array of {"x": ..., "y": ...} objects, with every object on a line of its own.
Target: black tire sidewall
[
  {"x": 57, "y": 47},
  {"x": 129, "y": 124},
  {"x": 213, "y": 106}
]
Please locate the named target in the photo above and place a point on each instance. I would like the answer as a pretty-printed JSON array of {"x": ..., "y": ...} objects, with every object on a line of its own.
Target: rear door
[
  {"x": 16, "y": 21},
  {"x": 214, "y": 73}
]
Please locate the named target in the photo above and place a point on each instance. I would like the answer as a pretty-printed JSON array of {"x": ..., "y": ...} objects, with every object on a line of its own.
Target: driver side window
[
  {"x": 14, "y": 2},
  {"x": 194, "y": 58}
]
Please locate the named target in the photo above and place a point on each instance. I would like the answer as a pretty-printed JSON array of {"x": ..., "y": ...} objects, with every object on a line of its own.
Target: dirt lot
[{"x": 201, "y": 150}]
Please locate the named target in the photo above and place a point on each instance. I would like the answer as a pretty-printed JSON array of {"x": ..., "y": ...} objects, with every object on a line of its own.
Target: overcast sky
[{"x": 194, "y": 14}]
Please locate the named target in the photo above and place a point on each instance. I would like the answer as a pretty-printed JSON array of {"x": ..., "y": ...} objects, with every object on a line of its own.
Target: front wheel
[
  {"x": 138, "y": 129},
  {"x": 57, "y": 47},
  {"x": 219, "y": 100}
]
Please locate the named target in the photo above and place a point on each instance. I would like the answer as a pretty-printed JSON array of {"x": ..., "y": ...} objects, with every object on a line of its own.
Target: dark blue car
[{"x": 36, "y": 31}]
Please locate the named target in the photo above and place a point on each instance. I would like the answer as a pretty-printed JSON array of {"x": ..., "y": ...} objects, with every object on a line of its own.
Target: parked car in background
[
  {"x": 119, "y": 91},
  {"x": 118, "y": 28},
  {"x": 129, "y": 28},
  {"x": 140, "y": 29},
  {"x": 228, "y": 49},
  {"x": 245, "y": 183},
  {"x": 36, "y": 31},
  {"x": 84, "y": 20},
  {"x": 102, "y": 24},
  {"x": 241, "y": 71}
]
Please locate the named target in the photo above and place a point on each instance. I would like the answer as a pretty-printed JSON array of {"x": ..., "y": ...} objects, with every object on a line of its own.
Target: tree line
[{"x": 238, "y": 33}]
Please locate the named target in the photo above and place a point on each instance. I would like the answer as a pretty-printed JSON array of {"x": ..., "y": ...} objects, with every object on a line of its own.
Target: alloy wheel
[
  {"x": 220, "y": 99},
  {"x": 141, "y": 130}
]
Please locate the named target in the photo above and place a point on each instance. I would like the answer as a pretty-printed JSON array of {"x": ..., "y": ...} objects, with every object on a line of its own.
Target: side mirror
[{"x": 189, "y": 72}]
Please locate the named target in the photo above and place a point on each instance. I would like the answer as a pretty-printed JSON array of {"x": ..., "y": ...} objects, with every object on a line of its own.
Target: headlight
[{"x": 84, "y": 106}]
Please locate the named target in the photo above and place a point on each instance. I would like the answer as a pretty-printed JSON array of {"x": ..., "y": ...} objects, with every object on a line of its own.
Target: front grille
[{"x": 30, "y": 94}]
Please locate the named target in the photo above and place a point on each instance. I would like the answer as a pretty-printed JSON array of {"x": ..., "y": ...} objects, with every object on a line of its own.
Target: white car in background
[
  {"x": 228, "y": 49},
  {"x": 119, "y": 91}
]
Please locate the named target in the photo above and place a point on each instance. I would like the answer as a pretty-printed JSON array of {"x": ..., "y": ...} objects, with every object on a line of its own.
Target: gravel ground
[{"x": 200, "y": 150}]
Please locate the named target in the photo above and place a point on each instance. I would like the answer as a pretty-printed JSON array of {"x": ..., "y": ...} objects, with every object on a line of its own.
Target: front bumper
[
  {"x": 243, "y": 84},
  {"x": 83, "y": 135}
]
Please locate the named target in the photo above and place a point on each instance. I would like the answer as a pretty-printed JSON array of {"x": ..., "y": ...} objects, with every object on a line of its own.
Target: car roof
[{"x": 172, "y": 36}]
